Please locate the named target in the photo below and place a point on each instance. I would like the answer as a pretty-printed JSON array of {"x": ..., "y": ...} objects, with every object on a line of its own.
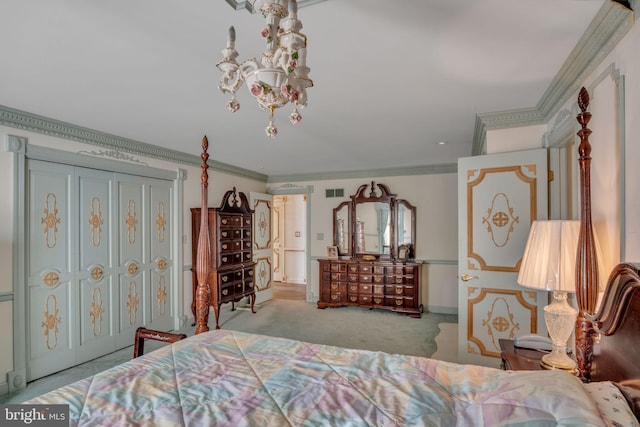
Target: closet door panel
[
  {"x": 131, "y": 248},
  {"x": 50, "y": 269},
  {"x": 95, "y": 272},
  {"x": 160, "y": 265}
]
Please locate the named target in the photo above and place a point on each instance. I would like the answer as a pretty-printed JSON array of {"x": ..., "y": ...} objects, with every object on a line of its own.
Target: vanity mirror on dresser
[{"x": 371, "y": 230}]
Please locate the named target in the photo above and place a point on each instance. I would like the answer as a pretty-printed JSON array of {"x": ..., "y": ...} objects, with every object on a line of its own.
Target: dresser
[
  {"x": 383, "y": 284},
  {"x": 231, "y": 272}
]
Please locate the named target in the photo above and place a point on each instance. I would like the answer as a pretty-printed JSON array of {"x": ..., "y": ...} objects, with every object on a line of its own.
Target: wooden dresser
[
  {"x": 384, "y": 284},
  {"x": 231, "y": 273}
]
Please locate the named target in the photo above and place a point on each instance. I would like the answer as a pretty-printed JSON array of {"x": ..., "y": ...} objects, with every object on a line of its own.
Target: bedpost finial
[
  {"x": 205, "y": 143},
  {"x": 583, "y": 99},
  {"x": 204, "y": 156}
]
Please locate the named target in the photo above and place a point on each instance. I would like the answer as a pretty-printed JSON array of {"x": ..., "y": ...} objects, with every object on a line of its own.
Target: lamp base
[
  {"x": 560, "y": 318},
  {"x": 573, "y": 370}
]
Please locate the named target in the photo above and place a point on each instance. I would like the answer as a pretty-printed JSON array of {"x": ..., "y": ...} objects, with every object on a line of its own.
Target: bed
[{"x": 227, "y": 378}]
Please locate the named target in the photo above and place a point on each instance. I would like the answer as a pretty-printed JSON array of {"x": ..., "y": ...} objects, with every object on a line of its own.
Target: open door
[
  {"x": 262, "y": 245},
  {"x": 499, "y": 196}
]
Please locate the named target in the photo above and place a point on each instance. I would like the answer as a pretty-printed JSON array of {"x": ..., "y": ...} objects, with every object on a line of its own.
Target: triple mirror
[{"x": 375, "y": 223}]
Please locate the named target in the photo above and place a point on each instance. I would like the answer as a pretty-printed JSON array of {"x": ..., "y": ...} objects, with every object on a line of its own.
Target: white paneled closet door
[
  {"x": 159, "y": 262},
  {"x": 96, "y": 280},
  {"x": 130, "y": 270},
  {"x": 99, "y": 263},
  {"x": 50, "y": 264}
]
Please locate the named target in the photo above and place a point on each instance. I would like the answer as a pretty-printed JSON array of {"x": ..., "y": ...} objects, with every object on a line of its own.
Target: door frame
[{"x": 289, "y": 189}]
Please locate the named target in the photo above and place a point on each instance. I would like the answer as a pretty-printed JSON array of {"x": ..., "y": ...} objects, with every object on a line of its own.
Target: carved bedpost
[
  {"x": 203, "y": 291},
  {"x": 586, "y": 262}
]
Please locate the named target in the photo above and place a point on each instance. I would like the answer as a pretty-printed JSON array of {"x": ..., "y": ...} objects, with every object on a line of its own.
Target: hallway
[{"x": 289, "y": 291}]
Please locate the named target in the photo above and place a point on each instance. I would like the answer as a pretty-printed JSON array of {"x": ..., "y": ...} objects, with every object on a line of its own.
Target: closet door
[
  {"x": 158, "y": 304},
  {"x": 50, "y": 265},
  {"x": 95, "y": 276},
  {"x": 131, "y": 254}
]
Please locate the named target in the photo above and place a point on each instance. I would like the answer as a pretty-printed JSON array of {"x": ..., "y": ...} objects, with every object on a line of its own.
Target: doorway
[{"x": 290, "y": 244}]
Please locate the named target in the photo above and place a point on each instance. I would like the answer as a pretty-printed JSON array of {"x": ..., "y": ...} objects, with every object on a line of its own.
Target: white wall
[
  {"x": 435, "y": 199},
  {"x": 524, "y": 138}
]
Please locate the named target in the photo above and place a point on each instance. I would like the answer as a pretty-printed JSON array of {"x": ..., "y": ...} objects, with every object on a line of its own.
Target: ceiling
[{"x": 392, "y": 79}]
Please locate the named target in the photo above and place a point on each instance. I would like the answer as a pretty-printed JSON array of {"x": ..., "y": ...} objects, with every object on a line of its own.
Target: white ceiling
[{"x": 391, "y": 78}]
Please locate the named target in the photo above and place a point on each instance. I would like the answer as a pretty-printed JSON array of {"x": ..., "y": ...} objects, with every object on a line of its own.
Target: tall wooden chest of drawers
[
  {"x": 231, "y": 272},
  {"x": 384, "y": 284}
]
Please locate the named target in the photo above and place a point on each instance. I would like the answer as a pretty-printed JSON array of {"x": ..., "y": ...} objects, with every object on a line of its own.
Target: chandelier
[{"x": 281, "y": 75}]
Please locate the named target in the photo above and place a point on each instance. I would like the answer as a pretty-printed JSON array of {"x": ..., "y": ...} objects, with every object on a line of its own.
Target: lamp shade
[{"x": 549, "y": 260}]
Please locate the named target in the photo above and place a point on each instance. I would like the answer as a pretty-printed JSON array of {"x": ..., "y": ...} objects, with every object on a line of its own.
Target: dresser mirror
[
  {"x": 374, "y": 224},
  {"x": 406, "y": 228},
  {"x": 342, "y": 228}
]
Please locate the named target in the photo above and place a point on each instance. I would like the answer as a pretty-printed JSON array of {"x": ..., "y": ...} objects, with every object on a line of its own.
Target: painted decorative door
[
  {"x": 498, "y": 198},
  {"x": 99, "y": 263},
  {"x": 262, "y": 245},
  {"x": 277, "y": 224},
  {"x": 50, "y": 291},
  {"x": 130, "y": 268},
  {"x": 160, "y": 310},
  {"x": 95, "y": 280}
]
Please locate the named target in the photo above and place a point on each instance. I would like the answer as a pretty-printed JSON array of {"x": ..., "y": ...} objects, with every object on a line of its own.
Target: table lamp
[{"x": 549, "y": 263}]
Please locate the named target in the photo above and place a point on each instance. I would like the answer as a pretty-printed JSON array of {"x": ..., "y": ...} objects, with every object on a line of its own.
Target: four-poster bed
[{"x": 232, "y": 378}]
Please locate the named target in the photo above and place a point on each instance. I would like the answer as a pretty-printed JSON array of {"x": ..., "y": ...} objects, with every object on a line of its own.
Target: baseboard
[{"x": 442, "y": 310}]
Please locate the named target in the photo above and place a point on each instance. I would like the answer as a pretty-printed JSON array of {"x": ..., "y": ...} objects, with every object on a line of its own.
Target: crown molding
[
  {"x": 369, "y": 173},
  {"x": 607, "y": 28},
  {"x": 115, "y": 145}
]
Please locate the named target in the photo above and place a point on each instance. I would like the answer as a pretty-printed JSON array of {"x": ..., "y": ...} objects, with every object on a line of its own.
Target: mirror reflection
[
  {"x": 374, "y": 223},
  {"x": 341, "y": 230},
  {"x": 404, "y": 225},
  {"x": 373, "y": 228}
]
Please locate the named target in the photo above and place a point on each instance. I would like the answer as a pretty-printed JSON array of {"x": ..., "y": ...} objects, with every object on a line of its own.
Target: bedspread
[{"x": 227, "y": 378}]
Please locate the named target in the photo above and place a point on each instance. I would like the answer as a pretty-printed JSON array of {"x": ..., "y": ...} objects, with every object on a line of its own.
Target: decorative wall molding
[
  {"x": 563, "y": 130},
  {"x": 608, "y": 27},
  {"x": 369, "y": 173},
  {"x": 13, "y": 143},
  {"x": 43, "y": 125},
  {"x": 37, "y": 152},
  {"x": 113, "y": 154}
]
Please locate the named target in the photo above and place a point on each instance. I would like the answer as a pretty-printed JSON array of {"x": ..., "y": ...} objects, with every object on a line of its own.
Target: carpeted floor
[{"x": 351, "y": 327}]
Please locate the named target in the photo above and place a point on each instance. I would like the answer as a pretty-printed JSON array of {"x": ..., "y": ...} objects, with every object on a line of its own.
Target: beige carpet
[
  {"x": 351, "y": 327},
  {"x": 447, "y": 343}
]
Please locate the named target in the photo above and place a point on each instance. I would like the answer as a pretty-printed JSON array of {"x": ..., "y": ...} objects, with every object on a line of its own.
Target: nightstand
[{"x": 519, "y": 359}]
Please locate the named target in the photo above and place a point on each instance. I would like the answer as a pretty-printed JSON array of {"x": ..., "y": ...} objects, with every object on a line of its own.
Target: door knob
[{"x": 465, "y": 277}]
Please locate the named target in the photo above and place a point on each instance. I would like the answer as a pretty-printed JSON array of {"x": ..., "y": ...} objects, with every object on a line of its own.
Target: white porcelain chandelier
[{"x": 281, "y": 75}]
